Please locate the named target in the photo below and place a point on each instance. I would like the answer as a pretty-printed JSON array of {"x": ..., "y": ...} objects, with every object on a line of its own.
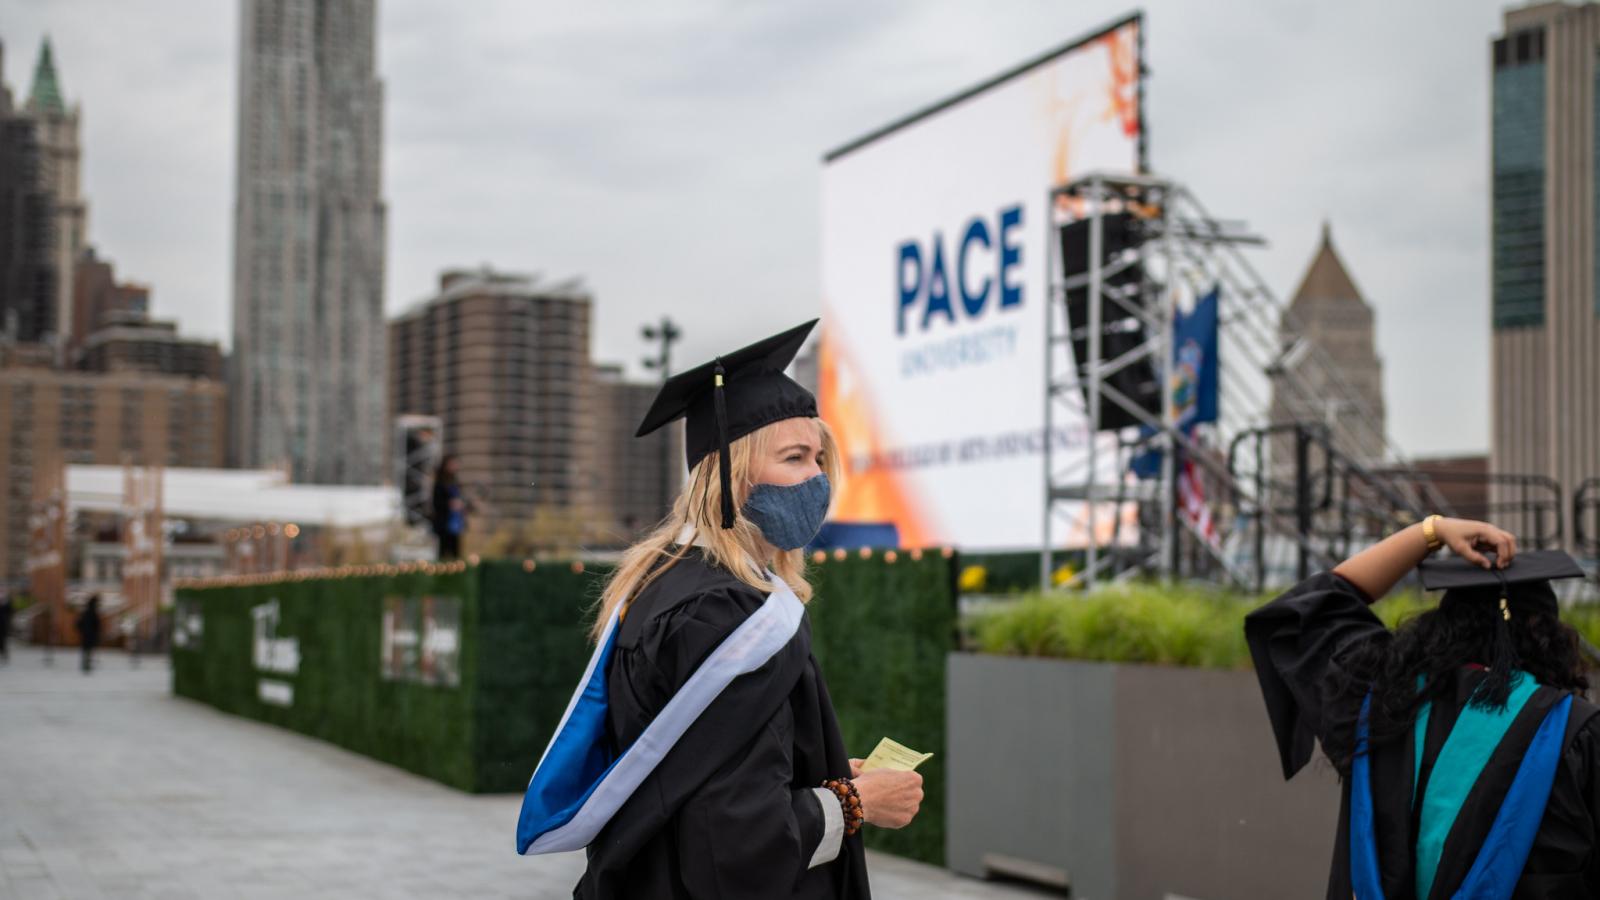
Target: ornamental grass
[{"x": 1175, "y": 625}]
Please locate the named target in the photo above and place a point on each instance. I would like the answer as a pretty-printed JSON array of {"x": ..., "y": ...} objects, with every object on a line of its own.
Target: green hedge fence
[{"x": 881, "y": 628}]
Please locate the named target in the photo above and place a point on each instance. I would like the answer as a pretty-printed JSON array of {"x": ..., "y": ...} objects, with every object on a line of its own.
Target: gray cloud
[{"x": 670, "y": 153}]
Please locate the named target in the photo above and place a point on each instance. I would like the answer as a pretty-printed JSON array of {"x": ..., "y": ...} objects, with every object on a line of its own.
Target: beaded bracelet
[{"x": 849, "y": 802}]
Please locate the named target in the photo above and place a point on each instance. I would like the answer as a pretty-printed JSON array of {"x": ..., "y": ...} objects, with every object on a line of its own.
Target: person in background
[
  {"x": 449, "y": 507},
  {"x": 89, "y": 630},
  {"x": 1470, "y": 759},
  {"x": 5, "y": 624}
]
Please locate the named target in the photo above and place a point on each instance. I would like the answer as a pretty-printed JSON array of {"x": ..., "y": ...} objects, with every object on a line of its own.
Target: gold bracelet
[{"x": 1429, "y": 534}]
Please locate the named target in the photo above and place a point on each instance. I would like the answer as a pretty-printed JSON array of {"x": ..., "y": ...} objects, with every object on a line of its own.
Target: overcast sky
[{"x": 669, "y": 153}]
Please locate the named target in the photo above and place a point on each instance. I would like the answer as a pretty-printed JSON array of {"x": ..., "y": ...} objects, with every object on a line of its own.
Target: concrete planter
[{"x": 1129, "y": 781}]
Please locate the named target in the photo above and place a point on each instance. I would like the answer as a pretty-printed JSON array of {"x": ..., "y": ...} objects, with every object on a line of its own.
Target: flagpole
[
  {"x": 1096, "y": 298},
  {"x": 1169, "y": 308}
]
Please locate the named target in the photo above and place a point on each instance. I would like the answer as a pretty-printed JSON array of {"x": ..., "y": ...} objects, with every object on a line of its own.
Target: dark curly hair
[{"x": 1466, "y": 628}]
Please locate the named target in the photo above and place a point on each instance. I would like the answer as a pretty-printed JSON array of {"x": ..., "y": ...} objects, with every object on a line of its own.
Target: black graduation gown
[
  {"x": 730, "y": 811},
  {"x": 1298, "y": 642}
]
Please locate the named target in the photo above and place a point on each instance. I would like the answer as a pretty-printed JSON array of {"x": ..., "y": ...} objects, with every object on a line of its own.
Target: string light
[
  {"x": 890, "y": 556},
  {"x": 866, "y": 552},
  {"x": 947, "y": 552},
  {"x": 839, "y": 553},
  {"x": 819, "y": 557},
  {"x": 528, "y": 565},
  {"x": 577, "y": 568},
  {"x": 916, "y": 553}
]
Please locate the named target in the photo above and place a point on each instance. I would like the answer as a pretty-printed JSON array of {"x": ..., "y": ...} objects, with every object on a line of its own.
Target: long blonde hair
[{"x": 699, "y": 504}]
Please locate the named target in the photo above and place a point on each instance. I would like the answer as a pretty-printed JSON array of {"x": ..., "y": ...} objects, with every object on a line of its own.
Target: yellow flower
[{"x": 973, "y": 578}]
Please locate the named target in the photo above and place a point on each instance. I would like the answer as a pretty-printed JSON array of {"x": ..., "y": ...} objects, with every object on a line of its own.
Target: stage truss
[{"x": 1186, "y": 252}]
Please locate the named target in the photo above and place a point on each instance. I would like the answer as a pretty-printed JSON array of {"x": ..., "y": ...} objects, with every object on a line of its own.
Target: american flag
[{"x": 1192, "y": 500}]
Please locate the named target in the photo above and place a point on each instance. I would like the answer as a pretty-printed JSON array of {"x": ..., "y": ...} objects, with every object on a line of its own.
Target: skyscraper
[
  {"x": 60, "y": 157},
  {"x": 1329, "y": 311},
  {"x": 48, "y": 414},
  {"x": 503, "y": 360},
  {"x": 97, "y": 296},
  {"x": 636, "y": 479},
  {"x": 27, "y": 278},
  {"x": 309, "y": 222},
  {"x": 1545, "y": 294}
]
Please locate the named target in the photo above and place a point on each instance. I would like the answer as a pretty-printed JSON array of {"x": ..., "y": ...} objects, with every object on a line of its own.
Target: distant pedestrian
[
  {"x": 5, "y": 624},
  {"x": 449, "y": 507},
  {"x": 89, "y": 629}
]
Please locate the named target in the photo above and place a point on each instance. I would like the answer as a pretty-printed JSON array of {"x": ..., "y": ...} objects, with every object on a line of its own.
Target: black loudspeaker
[{"x": 1121, "y": 329}]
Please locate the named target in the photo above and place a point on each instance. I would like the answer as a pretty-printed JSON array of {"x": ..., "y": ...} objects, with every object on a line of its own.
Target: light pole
[{"x": 666, "y": 333}]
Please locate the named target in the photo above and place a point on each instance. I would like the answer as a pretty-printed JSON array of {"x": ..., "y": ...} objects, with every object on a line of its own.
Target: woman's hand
[
  {"x": 1380, "y": 567},
  {"x": 855, "y": 767},
  {"x": 889, "y": 798},
  {"x": 1467, "y": 538}
]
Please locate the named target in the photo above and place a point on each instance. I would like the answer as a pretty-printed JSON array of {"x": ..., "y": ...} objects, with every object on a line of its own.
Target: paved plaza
[{"x": 111, "y": 787}]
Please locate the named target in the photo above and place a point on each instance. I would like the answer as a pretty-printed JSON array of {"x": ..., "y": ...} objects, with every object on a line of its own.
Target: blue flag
[
  {"x": 1194, "y": 374},
  {"x": 1192, "y": 379}
]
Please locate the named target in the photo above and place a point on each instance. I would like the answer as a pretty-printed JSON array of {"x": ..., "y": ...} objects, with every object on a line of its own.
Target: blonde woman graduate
[{"x": 700, "y": 756}]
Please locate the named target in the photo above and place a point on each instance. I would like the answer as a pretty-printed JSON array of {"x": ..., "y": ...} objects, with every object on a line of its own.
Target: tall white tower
[
  {"x": 60, "y": 170},
  {"x": 309, "y": 231}
]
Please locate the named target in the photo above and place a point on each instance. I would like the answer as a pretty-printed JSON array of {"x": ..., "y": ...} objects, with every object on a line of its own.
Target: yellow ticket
[{"x": 891, "y": 755}]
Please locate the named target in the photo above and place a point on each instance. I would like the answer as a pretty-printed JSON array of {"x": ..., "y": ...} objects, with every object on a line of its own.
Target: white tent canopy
[{"x": 240, "y": 495}]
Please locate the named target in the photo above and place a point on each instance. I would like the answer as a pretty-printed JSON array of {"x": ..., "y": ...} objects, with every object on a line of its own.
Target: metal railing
[
  {"x": 1336, "y": 481},
  {"x": 1586, "y": 518}
]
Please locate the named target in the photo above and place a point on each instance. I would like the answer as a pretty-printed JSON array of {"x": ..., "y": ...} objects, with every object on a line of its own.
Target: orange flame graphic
[
  {"x": 874, "y": 493},
  {"x": 1123, "y": 96}
]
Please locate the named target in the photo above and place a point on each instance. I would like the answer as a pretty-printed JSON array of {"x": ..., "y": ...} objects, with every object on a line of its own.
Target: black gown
[
  {"x": 1298, "y": 642},
  {"x": 730, "y": 812}
]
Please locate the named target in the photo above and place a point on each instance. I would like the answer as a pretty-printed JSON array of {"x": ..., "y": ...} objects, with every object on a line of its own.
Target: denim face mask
[{"x": 789, "y": 515}]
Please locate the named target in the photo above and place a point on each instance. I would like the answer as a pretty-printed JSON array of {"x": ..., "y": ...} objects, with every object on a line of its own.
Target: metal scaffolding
[{"x": 1182, "y": 247}]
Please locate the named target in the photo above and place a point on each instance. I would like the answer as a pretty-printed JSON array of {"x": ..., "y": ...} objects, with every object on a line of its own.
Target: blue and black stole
[
  {"x": 1472, "y": 740},
  {"x": 580, "y": 784}
]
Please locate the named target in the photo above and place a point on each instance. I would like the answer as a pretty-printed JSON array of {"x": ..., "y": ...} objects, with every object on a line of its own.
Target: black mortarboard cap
[
  {"x": 1524, "y": 583},
  {"x": 1455, "y": 573},
  {"x": 731, "y": 396}
]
